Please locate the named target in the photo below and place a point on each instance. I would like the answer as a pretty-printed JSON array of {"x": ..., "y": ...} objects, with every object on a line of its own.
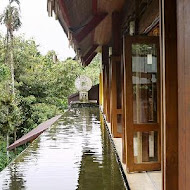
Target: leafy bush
[{"x": 41, "y": 87}]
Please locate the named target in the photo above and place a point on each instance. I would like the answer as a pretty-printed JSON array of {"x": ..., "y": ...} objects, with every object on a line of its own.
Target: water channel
[{"x": 75, "y": 153}]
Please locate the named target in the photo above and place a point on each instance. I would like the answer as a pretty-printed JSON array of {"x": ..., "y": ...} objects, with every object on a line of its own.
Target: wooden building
[{"x": 145, "y": 78}]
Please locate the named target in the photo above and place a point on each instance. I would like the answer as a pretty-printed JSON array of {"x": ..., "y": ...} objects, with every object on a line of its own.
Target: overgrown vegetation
[
  {"x": 33, "y": 87},
  {"x": 41, "y": 89}
]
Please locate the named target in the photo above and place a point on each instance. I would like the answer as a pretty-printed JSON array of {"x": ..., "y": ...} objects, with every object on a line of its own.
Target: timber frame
[
  {"x": 131, "y": 127},
  {"x": 99, "y": 26}
]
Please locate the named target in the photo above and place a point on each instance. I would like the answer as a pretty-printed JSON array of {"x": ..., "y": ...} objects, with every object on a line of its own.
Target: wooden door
[{"x": 142, "y": 103}]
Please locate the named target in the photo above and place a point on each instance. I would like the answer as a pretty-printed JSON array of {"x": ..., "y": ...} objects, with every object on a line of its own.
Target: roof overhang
[{"x": 87, "y": 23}]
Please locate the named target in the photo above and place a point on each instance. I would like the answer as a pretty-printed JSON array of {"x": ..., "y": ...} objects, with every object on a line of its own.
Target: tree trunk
[
  {"x": 12, "y": 80},
  {"x": 7, "y": 147},
  {"x": 12, "y": 69},
  {"x": 15, "y": 136}
]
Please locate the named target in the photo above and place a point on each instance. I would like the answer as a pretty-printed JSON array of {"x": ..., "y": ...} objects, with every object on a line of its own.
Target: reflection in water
[{"x": 74, "y": 154}]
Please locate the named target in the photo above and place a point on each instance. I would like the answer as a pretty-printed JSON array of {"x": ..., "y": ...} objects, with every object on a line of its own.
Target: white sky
[{"x": 46, "y": 31}]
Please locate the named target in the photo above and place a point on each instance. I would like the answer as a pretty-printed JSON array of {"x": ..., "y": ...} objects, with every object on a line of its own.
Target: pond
[{"x": 75, "y": 153}]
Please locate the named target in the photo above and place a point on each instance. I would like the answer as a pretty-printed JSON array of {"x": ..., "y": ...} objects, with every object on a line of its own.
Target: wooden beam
[
  {"x": 94, "y": 10},
  {"x": 105, "y": 55},
  {"x": 116, "y": 33},
  {"x": 90, "y": 26},
  {"x": 64, "y": 12},
  {"x": 94, "y": 6},
  {"x": 88, "y": 61},
  {"x": 89, "y": 53},
  {"x": 152, "y": 12},
  {"x": 168, "y": 41}
]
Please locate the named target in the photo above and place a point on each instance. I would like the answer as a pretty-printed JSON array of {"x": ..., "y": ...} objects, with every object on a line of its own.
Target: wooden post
[
  {"x": 101, "y": 89},
  {"x": 108, "y": 91},
  {"x": 123, "y": 103},
  {"x": 105, "y": 63},
  {"x": 115, "y": 64},
  {"x": 183, "y": 39},
  {"x": 168, "y": 40},
  {"x": 104, "y": 89}
]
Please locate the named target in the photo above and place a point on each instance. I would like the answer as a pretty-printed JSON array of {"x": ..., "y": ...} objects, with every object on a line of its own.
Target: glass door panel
[
  {"x": 142, "y": 103},
  {"x": 145, "y": 147},
  {"x": 144, "y": 79}
]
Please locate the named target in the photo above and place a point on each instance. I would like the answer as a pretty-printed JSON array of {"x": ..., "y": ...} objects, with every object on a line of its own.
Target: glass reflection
[
  {"x": 145, "y": 147},
  {"x": 144, "y": 79},
  {"x": 75, "y": 153}
]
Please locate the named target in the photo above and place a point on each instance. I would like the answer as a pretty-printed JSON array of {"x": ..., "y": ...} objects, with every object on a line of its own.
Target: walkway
[{"x": 138, "y": 181}]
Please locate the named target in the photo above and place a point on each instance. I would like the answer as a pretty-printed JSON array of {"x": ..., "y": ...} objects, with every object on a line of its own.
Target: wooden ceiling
[
  {"x": 87, "y": 23},
  {"x": 103, "y": 31},
  {"x": 79, "y": 11}
]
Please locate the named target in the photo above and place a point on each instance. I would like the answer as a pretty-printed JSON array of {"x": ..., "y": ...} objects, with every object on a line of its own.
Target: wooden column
[
  {"x": 123, "y": 103},
  {"x": 168, "y": 39},
  {"x": 114, "y": 111},
  {"x": 101, "y": 89},
  {"x": 105, "y": 63},
  {"x": 115, "y": 74},
  {"x": 183, "y": 32},
  {"x": 108, "y": 93},
  {"x": 104, "y": 89},
  {"x": 105, "y": 59}
]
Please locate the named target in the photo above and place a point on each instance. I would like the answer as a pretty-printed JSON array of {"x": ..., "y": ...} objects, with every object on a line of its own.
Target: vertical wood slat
[
  {"x": 123, "y": 102},
  {"x": 169, "y": 93},
  {"x": 105, "y": 63},
  {"x": 108, "y": 92},
  {"x": 113, "y": 97},
  {"x": 101, "y": 89},
  {"x": 145, "y": 147},
  {"x": 104, "y": 89},
  {"x": 183, "y": 31},
  {"x": 128, "y": 104}
]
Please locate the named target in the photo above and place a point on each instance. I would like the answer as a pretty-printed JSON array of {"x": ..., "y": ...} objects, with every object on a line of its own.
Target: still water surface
[{"x": 75, "y": 153}]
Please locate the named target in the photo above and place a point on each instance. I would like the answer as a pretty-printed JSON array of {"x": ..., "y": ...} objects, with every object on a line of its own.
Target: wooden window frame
[{"x": 130, "y": 127}]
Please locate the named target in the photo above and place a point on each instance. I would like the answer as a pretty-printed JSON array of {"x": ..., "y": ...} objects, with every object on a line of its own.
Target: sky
[{"x": 46, "y": 31}]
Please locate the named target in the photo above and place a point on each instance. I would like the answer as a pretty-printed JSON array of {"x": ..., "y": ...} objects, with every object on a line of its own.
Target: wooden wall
[
  {"x": 175, "y": 54},
  {"x": 145, "y": 14},
  {"x": 183, "y": 29}
]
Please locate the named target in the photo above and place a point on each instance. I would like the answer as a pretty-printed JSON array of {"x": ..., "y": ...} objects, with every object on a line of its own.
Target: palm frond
[
  {"x": 11, "y": 18},
  {"x": 14, "y": 1}
]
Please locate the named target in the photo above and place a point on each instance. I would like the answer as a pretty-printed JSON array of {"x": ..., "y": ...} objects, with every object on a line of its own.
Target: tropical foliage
[{"x": 42, "y": 87}]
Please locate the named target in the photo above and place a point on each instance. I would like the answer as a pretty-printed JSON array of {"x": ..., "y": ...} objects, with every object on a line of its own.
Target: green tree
[
  {"x": 11, "y": 19},
  {"x": 42, "y": 87}
]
